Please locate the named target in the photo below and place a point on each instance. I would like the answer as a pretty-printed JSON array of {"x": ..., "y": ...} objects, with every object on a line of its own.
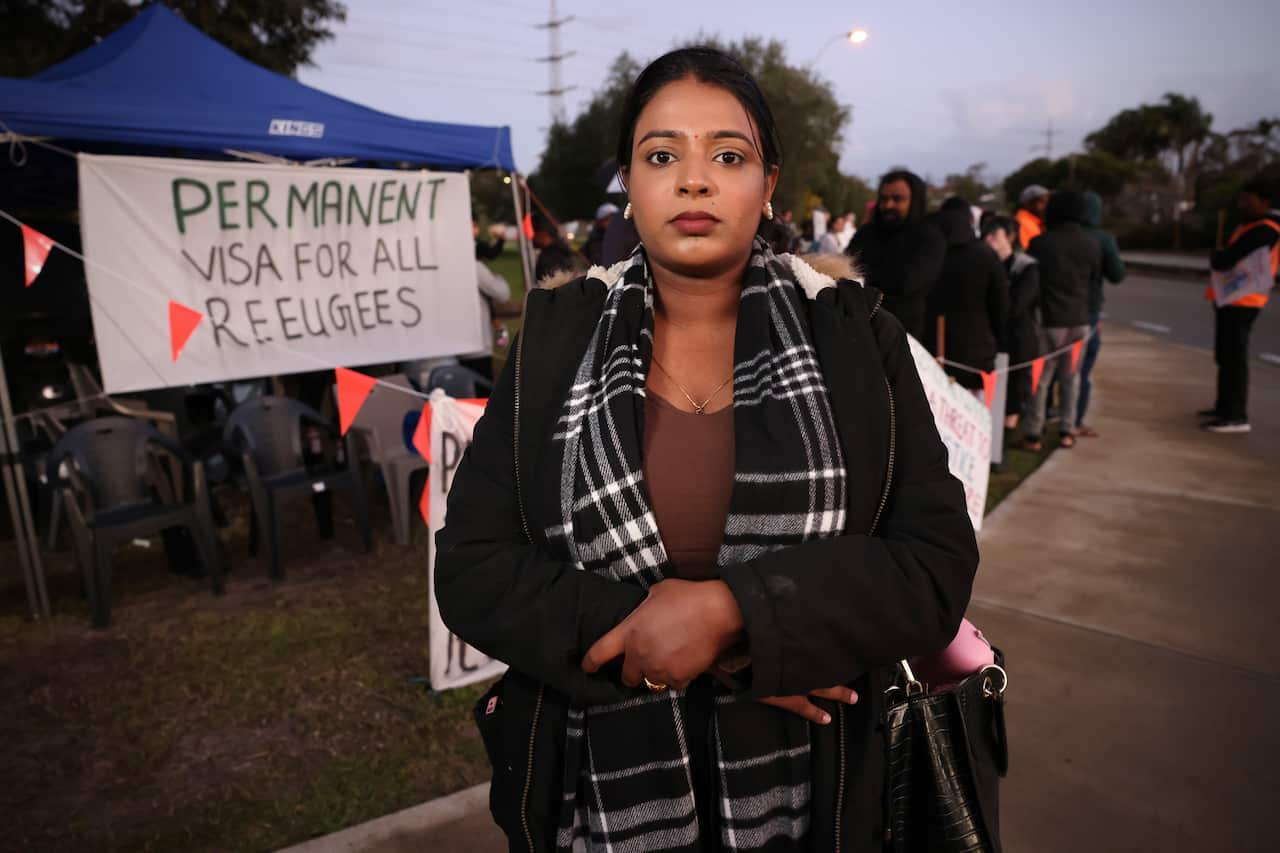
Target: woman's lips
[{"x": 695, "y": 223}]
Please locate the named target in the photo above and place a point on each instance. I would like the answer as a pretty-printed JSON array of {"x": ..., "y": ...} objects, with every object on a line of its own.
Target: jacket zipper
[
  {"x": 524, "y": 523},
  {"x": 875, "y": 522}
]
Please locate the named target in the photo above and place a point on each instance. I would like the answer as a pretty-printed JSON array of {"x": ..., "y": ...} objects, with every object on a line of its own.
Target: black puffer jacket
[
  {"x": 1024, "y": 307},
  {"x": 1070, "y": 258},
  {"x": 902, "y": 260},
  {"x": 839, "y": 610},
  {"x": 972, "y": 293}
]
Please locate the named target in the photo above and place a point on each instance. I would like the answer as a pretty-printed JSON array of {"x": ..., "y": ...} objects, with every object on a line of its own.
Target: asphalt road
[{"x": 1176, "y": 309}]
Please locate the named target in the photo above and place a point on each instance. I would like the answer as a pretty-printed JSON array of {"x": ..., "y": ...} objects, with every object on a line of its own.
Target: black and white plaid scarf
[{"x": 628, "y": 785}]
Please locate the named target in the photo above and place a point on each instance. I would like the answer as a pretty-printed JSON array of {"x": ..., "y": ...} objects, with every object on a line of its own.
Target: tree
[
  {"x": 281, "y": 36},
  {"x": 1227, "y": 161},
  {"x": 969, "y": 184},
  {"x": 811, "y": 125},
  {"x": 567, "y": 179},
  {"x": 1171, "y": 131},
  {"x": 1098, "y": 172}
]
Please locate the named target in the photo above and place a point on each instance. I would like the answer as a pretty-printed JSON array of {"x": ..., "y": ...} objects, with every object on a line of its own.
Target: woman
[
  {"x": 1001, "y": 234},
  {"x": 709, "y": 476}
]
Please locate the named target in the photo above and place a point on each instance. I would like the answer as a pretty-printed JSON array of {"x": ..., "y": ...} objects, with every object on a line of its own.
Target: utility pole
[
  {"x": 557, "y": 88},
  {"x": 1047, "y": 147}
]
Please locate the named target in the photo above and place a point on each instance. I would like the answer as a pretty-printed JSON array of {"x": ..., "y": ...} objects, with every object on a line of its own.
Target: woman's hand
[
  {"x": 802, "y": 707},
  {"x": 674, "y": 636}
]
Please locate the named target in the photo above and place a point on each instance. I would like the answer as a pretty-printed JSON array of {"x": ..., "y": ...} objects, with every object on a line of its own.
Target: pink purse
[{"x": 968, "y": 653}]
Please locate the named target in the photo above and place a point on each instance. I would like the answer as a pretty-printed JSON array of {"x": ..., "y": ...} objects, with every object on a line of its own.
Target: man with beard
[{"x": 899, "y": 253}]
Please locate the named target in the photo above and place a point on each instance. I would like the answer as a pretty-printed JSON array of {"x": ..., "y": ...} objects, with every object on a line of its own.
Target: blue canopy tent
[
  {"x": 159, "y": 86},
  {"x": 160, "y": 82}
]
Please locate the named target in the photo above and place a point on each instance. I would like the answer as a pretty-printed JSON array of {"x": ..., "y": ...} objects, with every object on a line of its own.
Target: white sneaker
[{"x": 1221, "y": 425}]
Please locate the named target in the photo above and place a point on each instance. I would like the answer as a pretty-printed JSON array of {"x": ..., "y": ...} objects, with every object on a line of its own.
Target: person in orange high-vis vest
[
  {"x": 1032, "y": 202},
  {"x": 1233, "y": 323}
]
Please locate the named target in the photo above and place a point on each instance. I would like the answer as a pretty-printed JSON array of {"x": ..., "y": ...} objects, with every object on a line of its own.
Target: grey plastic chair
[
  {"x": 268, "y": 431},
  {"x": 380, "y": 423},
  {"x": 115, "y": 492},
  {"x": 457, "y": 381}
]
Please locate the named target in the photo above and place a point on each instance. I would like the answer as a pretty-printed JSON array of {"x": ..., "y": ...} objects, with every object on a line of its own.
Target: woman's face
[{"x": 697, "y": 183}]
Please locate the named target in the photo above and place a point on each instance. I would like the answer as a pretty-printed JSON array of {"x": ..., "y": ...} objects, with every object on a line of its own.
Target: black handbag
[{"x": 946, "y": 754}]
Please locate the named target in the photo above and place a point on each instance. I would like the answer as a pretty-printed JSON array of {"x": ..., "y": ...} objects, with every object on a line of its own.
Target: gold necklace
[{"x": 698, "y": 408}]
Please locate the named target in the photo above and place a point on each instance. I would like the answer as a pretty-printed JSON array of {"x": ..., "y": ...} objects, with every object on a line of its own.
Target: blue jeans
[{"x": 1087, "y": 360}]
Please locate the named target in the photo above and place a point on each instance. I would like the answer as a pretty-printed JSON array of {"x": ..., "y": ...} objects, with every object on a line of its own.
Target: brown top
[{"x": 688, "y": 467}]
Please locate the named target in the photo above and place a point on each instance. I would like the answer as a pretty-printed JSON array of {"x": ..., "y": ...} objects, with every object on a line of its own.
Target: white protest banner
[
  {"x": 293, "y": 268},
  {"x": 453, "y": 662},
  {"x": 1252, "y": 275},
  {"x": 965, "y": 427}
]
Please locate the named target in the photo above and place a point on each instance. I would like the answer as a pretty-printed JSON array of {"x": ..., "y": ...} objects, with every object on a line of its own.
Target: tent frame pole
[
  {"x": 24, "y": 530},
  {"x": 526, "y": 250}
]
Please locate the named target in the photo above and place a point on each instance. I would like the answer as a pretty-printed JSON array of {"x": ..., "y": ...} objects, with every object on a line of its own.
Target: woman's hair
[{"x": 706, "y": 65}]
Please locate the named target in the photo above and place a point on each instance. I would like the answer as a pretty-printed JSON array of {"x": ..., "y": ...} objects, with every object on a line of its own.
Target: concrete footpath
[{"x": 1133, "y": 584}]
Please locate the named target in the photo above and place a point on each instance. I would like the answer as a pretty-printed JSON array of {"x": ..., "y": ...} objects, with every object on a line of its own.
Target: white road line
[
  {"x": 1152, "y": 327},
  {"x": 1269, "y": 357}
]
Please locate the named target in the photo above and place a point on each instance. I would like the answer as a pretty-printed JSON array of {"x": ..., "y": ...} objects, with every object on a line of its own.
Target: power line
[
  {"x": 455, "y": 82},
  {"x": 453, "y": 35},
  {"x": 448, "y": 75}
]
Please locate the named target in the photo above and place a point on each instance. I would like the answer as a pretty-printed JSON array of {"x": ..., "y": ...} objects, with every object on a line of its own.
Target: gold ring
[{"x": 656, "y": 688}]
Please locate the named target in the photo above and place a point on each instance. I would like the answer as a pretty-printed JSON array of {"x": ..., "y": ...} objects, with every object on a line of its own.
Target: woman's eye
[
  {"x": 730, "y": 158},
  {"x": 660, "y": 158}
]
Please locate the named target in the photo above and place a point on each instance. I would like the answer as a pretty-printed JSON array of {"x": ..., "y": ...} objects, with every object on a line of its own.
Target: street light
[{"x": 856, "y": 37}]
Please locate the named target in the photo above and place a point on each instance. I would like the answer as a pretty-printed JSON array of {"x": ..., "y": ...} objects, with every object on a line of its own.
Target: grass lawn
[{"x": 274, "y": 714}]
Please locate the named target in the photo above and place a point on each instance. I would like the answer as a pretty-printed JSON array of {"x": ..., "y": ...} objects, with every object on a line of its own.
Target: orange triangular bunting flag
[
  {"x": 422, "y": 435},
  {"x": 182, "y": 324},
  {"x": 989, "y": 386},
  {"x": 1037, "y": 370},
  {"x": 353, "y": 390},
  {"x": 528, "y": 225},
  {"x": 35, "y": 251},
  {"x": 1075, "y": 354}
]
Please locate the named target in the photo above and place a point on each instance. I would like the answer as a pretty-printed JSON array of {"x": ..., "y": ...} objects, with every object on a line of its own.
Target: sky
[{"x": 937, "y": 86}]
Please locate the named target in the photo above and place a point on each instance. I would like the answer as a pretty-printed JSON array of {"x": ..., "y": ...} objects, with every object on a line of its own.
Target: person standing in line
[
  {"x": 554, "y": 254},
  {"x": 848, "y": 228},
  {"x": 1259, "y": 232},
  {"x": 595, "y": 239},
  {"x": 1024, "y": 333},
  {"x": 972, "y": 294},
  {"x": 1112, "y": 271},
  {"x": 829, "y": 242},
  {"x": 1069, "y": 259},
  {"x": 901, "y": 254},
  {"x": 1032, "y": 202}
]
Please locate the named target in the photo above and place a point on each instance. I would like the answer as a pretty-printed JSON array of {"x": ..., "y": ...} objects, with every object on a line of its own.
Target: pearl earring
[
  {"x": 626, "y": 211},
  {"x": 768, "y": 210}
]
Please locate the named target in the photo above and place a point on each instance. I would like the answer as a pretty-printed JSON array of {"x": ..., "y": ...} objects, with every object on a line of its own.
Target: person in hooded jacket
[
  {"x": 1070, "y": 260},
  {"x": 972, "y": 294},
  {"x": 901, "y": 254},
  {"x": 1024, "y": 333},
  {"x": 1113, "y": 271}
]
